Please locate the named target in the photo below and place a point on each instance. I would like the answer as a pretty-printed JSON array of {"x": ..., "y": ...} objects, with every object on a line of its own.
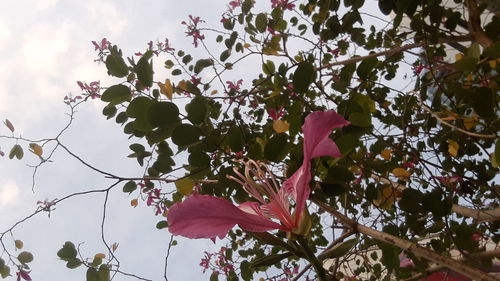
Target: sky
[{"x": 46, "y": 47}]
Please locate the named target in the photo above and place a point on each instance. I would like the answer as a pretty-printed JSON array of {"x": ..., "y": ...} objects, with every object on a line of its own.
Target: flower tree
[{"x": 347, "y": 140}]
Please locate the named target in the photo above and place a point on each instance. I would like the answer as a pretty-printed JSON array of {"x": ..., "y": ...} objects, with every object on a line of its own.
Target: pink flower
[
  {"x": 276, "y": 115},
  {"x": 203, "y": 216},
  {"x": 193, "y": 29},
  {"x": 101, "y": 46},
  {"x": 284, "y": 4},
  {"x": 234, "y": 4},
  {"x": 234, "y": 86},
  {"x": 24, "y": 275}
]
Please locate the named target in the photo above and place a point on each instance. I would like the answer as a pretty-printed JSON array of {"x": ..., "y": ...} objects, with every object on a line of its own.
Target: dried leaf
[
  {"x": 401, "y": 173},
  {"x": 19, "y": 244},
  {"x": 470, "y": 122},
  {"x": 166, "y": 89},
  {"x": 387, "y": 196},
  {"x": 492, "y": 63},
  {"x": 453, "y": 147},
  {"x": 134, "y": 203},
  {"x": 114, "y": 246},
  {"x": 281, "y": 126},
  {"x": 185, "y": 186},
  {"x": 386, "y": 154},
  {"x": 99, "y": 256},
  {"x": 36, "y": 149},
  {"x": 9, "y": 125}
]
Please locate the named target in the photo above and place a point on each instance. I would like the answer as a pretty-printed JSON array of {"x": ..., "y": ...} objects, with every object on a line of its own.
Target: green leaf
[
  {"x": 497, "y": 151},
  {"x": 73, "y": 263},
  {"x": 303, "y": 77},
  {"x": 201, "y": 64},
  {"x": 339, "y": 250},
  {"x": 360, "y": 119},
  {"x": 104, "y": 273},
  {"x": 185, "y": 134},
  {"x": 92, "y": 274},
  {"x": 466, "y": 64},
  {"x": 235, "y": 139},
  {"x": 484, "y": 102},
  {"x": 474, "y": 51},
  {"x": 346, "y": 143},
  {"x": 5, "y": 272},
  {"x": 25, "y": 257},
  {"x": 277, "y": 148},
  {"x": 261, "y": 22},
  {"x": 225, "y": 55},
  {"x": 116, "y": 65},
  {"x": 129, "y": 187},
  {"x": 214, "y": 276},
  {"x": 162, "y": 224},
  {"x": 268, "y": 68},
  {"x": 116, "y": 94},
  {"x": 197, "y": 110},
  {"x": 493, "y": 51},
  {"x": 199, "y": 159},
  {"x": 269, "y": 260},
  {"x": 16, "y": 151},
  {"x": 144, "y": 69},
  {"x": 433, "y": 202},
  {"x": 246, "y": 272},
  {"x": 366, "y": 66},
  {"x": 411, "y": 201},
  {"x": 185, "y": 186},
  {"x": 67, "y": 252},
  {"x": 162, "y": 114}
]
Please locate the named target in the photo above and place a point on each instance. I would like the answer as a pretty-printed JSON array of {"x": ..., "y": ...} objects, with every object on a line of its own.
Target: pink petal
[
  {"x": 317, "y": 127},
  {"x": 203, "y": 216}
]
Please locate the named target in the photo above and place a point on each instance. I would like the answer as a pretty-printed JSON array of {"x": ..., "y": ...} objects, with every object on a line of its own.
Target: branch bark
[
  {"x": 475, "y": 24},
  {"x": 416, "y": 249},
  {"x": 395, "y": 50}
]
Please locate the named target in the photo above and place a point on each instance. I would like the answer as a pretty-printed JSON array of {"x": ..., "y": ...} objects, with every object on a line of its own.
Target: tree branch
[
  {"x": 416, "y": 249},
  {"x": 396, "y": 50}
]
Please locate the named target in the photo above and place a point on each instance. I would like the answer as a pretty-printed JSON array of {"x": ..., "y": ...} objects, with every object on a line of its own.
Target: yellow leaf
[
  {"x": 470, "y": 122},
  {"x": 401, "y": 173},
  {"x": 387, "y": 196},
  {"x": 36, "y": 149},
  {"x": 99, "y": 256},
  {"x": 459, "y": 56},
  {"x": 246, "y": 45},
  {"x": 134, "y": 203},
  {"x": 492, "y": 63},
  {"x": 453, "y": 147},
  {"x": 386, "y": 154},
  {"x": 19, "y": 244},
  {"x": 185, "y": 186},
  {"x": 166, "y": 88},
  {"x": 182, "y": 85},
  {"x": 469, "y": 77},
  {"x": 280, "y": 126}
]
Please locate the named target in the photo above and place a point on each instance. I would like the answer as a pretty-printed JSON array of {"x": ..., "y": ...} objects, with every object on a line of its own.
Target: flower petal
[
  {"x": 317, "y": 127},
  {"x": 203, "y": 216}
]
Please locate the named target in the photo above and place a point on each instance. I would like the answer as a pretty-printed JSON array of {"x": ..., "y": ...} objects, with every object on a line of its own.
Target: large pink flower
[{"x": 203, "y": 216}]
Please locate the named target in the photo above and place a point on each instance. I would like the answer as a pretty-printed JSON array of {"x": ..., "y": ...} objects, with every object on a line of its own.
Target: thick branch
[
  {"x": 475, "y": 256},
  {"x": 475, "y": 24},
  {"x": 479, "y": 215},
  {"x": 416, "y": 249},
  {"x": 395, "y": 50}
]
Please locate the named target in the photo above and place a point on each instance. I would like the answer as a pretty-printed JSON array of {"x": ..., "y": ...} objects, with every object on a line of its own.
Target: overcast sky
[{"x": 46, "y": 47}]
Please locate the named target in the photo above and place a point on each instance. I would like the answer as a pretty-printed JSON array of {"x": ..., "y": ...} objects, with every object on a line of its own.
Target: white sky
[{"x": 46, "y": 47}]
